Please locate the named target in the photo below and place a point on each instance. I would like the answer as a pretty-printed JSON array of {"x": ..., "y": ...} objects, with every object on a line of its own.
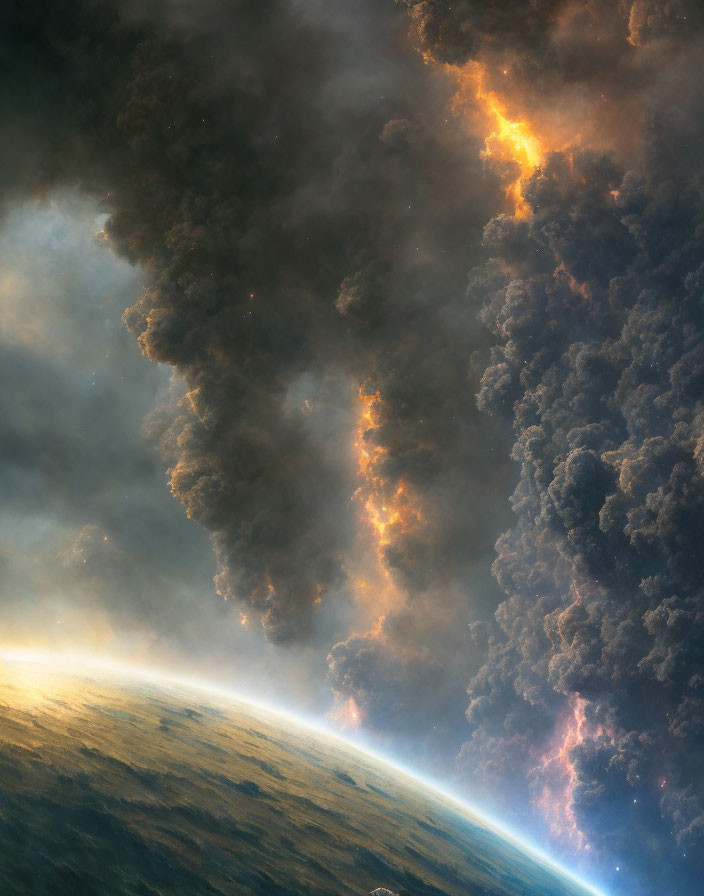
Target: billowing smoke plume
[
  {"x": 267, "y": 167},
  {"x": 601, "y": 361},
  {"x": 581, "y": 69},
  {"x": 306, "y": 207},
  {"x": 590, "y": 701},
  {"x": 459, "y": 31},
  {"x": 538, "y": 31}
]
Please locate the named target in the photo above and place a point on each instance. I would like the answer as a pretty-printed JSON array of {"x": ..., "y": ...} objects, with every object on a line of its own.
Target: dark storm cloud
[
  {"x": 580, "y": 71},
  {"x": 575, "y": 239},
  {"x": 304, "y": 208},
  {"x": 595, "y": 301},
  {"x": 95, "y": 553},
  {"x": 543, "y": 32},
  {"x": 248, "y": 304},
  {"x": 456, "y": 32},
  {"x": 600, "y": 360}
]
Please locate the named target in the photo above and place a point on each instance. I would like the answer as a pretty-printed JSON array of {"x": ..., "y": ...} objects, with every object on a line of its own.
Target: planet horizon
[{"x": 124, "y": 783}]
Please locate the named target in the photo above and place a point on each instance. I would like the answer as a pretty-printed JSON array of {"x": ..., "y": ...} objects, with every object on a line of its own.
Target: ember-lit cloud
[{"x": 303, "y": 189}]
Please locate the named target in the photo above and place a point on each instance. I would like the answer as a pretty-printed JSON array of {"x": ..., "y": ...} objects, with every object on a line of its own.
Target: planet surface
[{"x": 125, "y": 785}]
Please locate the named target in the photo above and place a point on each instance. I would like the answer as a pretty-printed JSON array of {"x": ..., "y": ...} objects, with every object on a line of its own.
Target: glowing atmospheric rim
[{"x": 73, "y": 662}]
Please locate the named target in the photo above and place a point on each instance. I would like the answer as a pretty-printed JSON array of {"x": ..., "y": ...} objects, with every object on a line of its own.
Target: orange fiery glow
[
  {"x": 374, "y": 587},
  {"x": 387, "y": 511},
  {"x": 347, "y": 714},
  {"x": 559, "y": 777},
  {"x": 508, "y": 140},
  {"x": 388, "y": 506},
  {"x": 369, "y": 453}
]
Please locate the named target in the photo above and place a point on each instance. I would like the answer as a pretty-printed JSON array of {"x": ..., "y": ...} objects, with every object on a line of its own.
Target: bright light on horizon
[{"x": 74, "y": 662}]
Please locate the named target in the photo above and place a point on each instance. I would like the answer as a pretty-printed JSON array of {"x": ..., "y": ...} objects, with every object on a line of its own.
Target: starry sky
[{"x": 352, "y": 355}]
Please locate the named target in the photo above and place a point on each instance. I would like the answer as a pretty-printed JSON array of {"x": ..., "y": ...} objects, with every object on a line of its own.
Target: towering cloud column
[
  {"x": 306, "y": 204},
  {"x": 590, "y": 699}
]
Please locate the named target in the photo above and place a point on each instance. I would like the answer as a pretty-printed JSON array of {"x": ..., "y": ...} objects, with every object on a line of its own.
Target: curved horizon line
[{"x": 86, "y": 661}]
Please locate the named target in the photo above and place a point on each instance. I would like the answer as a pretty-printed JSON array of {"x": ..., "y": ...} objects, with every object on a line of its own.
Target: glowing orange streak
[
  {"x": 385, "y": 514},
  {"x": 508, "y": 140},
  {"x": 368, "y": 454},
  {"x": 387, "y": 511}
]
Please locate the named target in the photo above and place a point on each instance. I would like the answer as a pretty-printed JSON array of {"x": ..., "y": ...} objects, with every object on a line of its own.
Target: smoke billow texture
[
  {"x": 267, "y": 171},
  {"x": 306, "y": 209},
  {"x": 457, "y": 32},
  {"x": 596, "y": 303},
  {"x": 601, "y": 361}
]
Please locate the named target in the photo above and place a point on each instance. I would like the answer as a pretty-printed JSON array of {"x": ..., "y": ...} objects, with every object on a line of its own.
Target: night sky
[{"x": 353, "y": 355}]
